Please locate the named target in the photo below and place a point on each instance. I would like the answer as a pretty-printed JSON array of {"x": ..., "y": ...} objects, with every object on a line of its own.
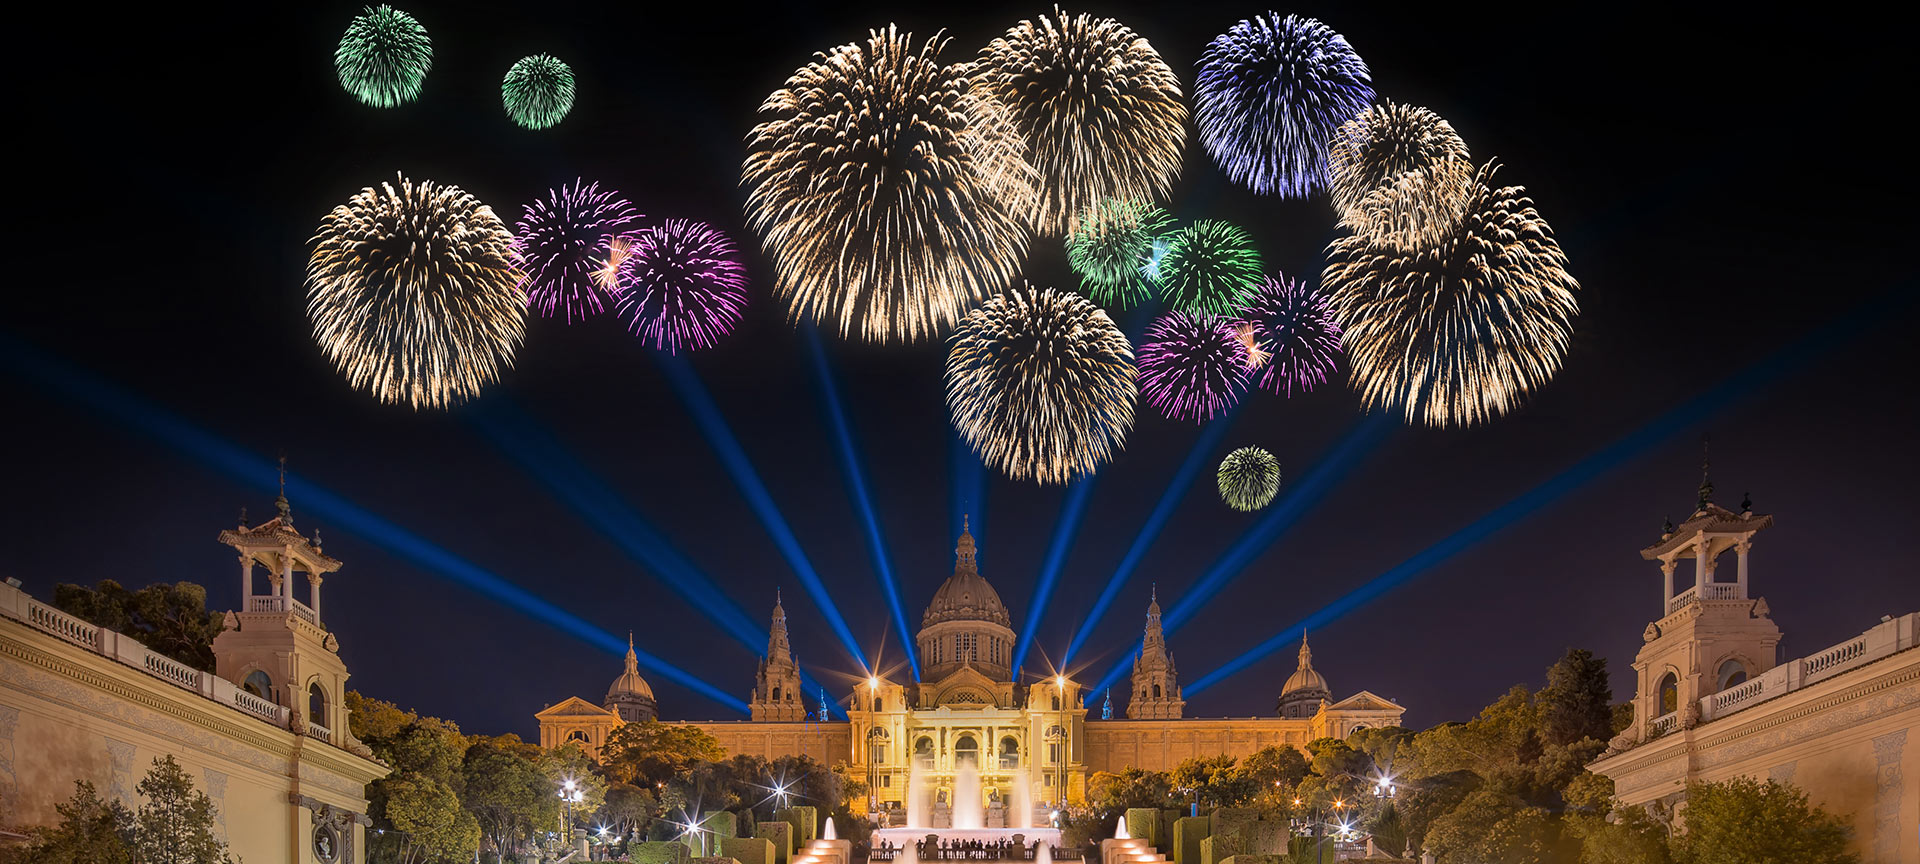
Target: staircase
[
  {"x": 823, "y": 852},
  {"x": 1132, "y": 851}
]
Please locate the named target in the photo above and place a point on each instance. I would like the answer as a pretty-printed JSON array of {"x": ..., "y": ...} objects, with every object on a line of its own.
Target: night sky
[{"x": 1727, "y": 190}]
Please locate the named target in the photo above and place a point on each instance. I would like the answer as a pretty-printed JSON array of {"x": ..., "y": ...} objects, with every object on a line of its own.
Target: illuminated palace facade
[{"x": 1026, "y": 740}]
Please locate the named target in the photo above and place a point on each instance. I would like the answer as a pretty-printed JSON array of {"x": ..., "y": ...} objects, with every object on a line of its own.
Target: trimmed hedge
[{"x": 748, "y": 850}]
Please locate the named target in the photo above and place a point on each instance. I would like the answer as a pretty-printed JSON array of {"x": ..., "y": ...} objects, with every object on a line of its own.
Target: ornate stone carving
[
  {"x": 1651, "y": 633},
  {"x": 1889, "y": 795}
]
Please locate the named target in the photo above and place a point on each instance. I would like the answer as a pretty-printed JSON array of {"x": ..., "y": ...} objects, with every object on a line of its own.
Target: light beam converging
[
  {"x": 1064, "y": 532},
  {"x": 714, "y": 428},
  {"x": 1768, "y": 370},
  {"x": 967, "y": 484},
  {"x": 136, "y": 412},
  {"x": 857, "y": 482},
  {"x": 1300, "y": 498},
  {"x": 1150, "y": 530},
  {"x": 522, "y": 440}
]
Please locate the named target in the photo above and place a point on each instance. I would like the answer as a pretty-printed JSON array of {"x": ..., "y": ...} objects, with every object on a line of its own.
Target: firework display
[
  {"x": 538, "y": 91},
  {"x": 682, "y": 285},
  {"x": 570, "y": 245},
  {"x": 1458, "y": 332},
  {"x": 1269, "y": 95},
  {"x": 889, "y": 193},
  {"x": 1100, "y": 112},
  {"x": 1400, "y": 174},
  {"x": 1208, "y": 268},
  {"x": 1041, "y": 383},
  {"x": 1110, "y": 246},
  {"x": 1249, "y": 478},
  {"x": 1192, "y": 368},
  {"x": 1293, "y": 323},
  {"x": 414, "y": 293},
  {"x": 384, "y": 57}
]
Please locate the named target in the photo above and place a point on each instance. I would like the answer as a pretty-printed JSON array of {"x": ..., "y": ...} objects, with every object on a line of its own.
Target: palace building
[{"x": 972, "y": 712}]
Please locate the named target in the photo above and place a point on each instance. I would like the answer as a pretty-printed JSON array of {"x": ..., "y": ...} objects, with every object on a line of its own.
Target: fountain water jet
[
  {"x": 827, "y": 833},
  {"x": 968, "y": 810},
  {"x": 1022, "y": 802},
  {"x": 1120, "y": 832},
  {"x": 1044, "y": 854}
]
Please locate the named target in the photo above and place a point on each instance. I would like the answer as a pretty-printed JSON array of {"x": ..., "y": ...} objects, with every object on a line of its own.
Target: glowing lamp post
[{"x": 570, "y": 794}]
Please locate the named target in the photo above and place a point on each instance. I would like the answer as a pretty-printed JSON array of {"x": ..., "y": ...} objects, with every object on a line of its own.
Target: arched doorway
[
  {"x": 1733, "y": 673},
  {"x": 966, "y": 751},
  {"x": 1009, "y": 753},
  {"x": 258, "y": 684}
]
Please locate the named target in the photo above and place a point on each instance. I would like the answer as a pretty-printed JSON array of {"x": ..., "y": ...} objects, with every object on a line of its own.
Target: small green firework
[
  {"x": 1110, "y": 245},
  {"x": 384, "y": 57},
  {"x": 1249, "y": 478},
  {"x": 538, "y": 91},
  {"x": 1210, "y": 268}
]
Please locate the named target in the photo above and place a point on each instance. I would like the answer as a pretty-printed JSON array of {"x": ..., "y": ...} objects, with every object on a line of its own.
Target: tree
[
  {"x": 1109, "y": 795},
  {"x": 1214, "y": 781},
  {"x": 91, "y": 831},
  {"x": 651, "y": 753},
  {"x": 505, "y": 791},
  {"x": 627, "y": 809},
  {"x": 1742, "y": 821},
  {"x": 1389, "y": 830},
  {"x": 175, "y": 825},
  {"x": 1630, "y": 837},
  {"x": 428, "y": 823},
  {"x": 1493, "y": 824},
  {"x": 171, "y": 619},
  {"x": 1384, "y": 746},
  {"x": 1271, "y": 767},
  {"x": 1577, "y": 701},
  {"x": 570, "y": 763}
]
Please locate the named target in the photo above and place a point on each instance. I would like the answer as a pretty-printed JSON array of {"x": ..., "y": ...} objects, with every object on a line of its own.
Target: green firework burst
[
  {"x": 1210, "y": 268},
  {"x": 538, "y": 91},
  {"x": 1111, "y": 242},
  {"x": 1249, "y": 478},
  {"x": 384, "y": 57}
]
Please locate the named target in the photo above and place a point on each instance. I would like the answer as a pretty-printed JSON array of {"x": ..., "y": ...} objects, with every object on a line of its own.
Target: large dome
[
  {"x": 966, "y": 596},
  {"x": 630, "y": 684}
]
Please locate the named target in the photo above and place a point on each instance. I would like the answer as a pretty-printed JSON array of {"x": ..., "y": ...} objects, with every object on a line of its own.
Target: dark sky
[{"x": 1725, "y": 187}]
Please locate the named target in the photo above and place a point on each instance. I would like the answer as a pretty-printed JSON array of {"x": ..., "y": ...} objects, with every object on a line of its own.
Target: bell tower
[
  {"x": 776, "y": 689},
  {"x": 1156, "y": 689},
  {"x": 275, "y": 646},
  {"x": 1711, "y": 635}
]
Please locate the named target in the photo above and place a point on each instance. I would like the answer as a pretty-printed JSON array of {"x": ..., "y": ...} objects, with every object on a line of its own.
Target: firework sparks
[
  {"x": 384, "y": 57},
  {"x": 567, "y": 242},
  {"x": 607, "y": 274},
  {"x": 682, "y": 285},
  {"x": 1256, "y": 352},
  {"x": 1110, "y": 246},
  {"x": 1041, "y": 383},
  {"x": 1249, "y": 478},
  {"x": 414, "y": 293},
  {"x": 538, "y": 91},
  {"x": 887, "y": 189},
  {"x": 1459, "y": 332},
  {"x": 1269, "y": 95},
  {"x": 1294, "y": 322},
  {"x": 1400, "y": 174},
  {"x": 1101, "y": 113},
  {"x": 1210, "y": 268},
  {"x": 1192, "y": 368}
]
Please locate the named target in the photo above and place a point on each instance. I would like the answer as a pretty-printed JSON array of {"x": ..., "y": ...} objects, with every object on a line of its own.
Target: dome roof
[
  {"x": 1305, "y": 679},
  {"x": 966, "y": 596},
  {"x": 630, "y": 684}
]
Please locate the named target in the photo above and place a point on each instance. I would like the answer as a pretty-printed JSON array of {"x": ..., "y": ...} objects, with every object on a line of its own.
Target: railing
[
  {"x": 63, "y": 625},
  {"x": 1720, "y": 591},
  {"x": 179, "y": 673},
  {"x": 256, "y": 705},
  {"x": 301, "y": 610},
  {"x": 1836, "y": 659},
  {"x": 1728, "y": 700},
  {"x": 269, "y": 603},
  {"x": 1888, "y": 637},
  {"x": 1663, "y": 724},
  {"x": 1681, "y": 599},
  {"x": 320, "y": 733}
]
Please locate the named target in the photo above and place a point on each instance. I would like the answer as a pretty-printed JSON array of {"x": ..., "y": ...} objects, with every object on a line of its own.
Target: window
[
  {"x": 776, "y": 692},
  {"x": 1669, "y": 693},
  {"x": 876, "y": 704},
  {"x": 923, "y": 752},
  {"x": 577, "y": 735},
  {"x": 966, "y": 751},
  {"x": 1053, "y": 754},
  {"x": 1056, "y": 703},
  {"x": 877, "y": 751},
  {"x": 1156, "y": 691},
  {"x": 1009, "y": 753},
  {"x": 966, "y": 647},
  {"x": 316, "y": 704},
  {"x": 886, "y": 780},
  {"x": 258, "y": 684},
  {"x": 1733, "y": 673}
]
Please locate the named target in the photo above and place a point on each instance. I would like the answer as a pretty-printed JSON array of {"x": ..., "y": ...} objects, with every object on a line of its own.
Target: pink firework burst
[
  {"x": 1293, "y": 324},
  {"x": 565, "y": 240},
  {"x": 682, "y": 285},
  {"x": 1193, "y": 367}
]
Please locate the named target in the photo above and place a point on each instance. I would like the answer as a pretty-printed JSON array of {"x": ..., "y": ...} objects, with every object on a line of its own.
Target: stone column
[
  {"x": 1666, "y": 594},
  {"x": 314, "y": 580},
  {"x": 246, "y": 581},
  {"x": 1745, "y": 544},
  {"x": 286, "y": 582},
  {"x": 1701, "y": 573}
]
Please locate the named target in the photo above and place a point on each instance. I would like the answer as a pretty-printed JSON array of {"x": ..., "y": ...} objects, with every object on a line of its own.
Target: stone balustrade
[
  {"x": 1663, "y": 724},
  {"x": 1888, "y": 637},
  {"x": 319, "y": 733}
]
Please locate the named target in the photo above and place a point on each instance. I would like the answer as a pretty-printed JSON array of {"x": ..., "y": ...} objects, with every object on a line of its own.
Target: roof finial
[
  {"x": 286, "y": 510},
  {"x": 966, "y": 520},
  {"x": 243, "y": 515},
  {"x": 1706, "y": 475},
  {"x": 1746, "y": 503}
]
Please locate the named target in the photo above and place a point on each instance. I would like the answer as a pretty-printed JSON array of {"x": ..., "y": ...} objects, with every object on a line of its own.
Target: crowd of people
[{"x": 962, "y": 849}]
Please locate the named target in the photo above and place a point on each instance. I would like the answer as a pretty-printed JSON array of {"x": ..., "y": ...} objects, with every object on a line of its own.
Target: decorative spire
[
  {"x": 1706, "y": 477},
  {"x": 286, "y": 510},
  {"x": 966, "y": 549},
  {"x": 1666, "y": 528},
  {"x": 824, "y": 714},
  {"x": 633, "y": 658},
  {"x": 243, "y": 515},
  {"x": 1746, "y": 503},
  {"x": 316, "y": 539},
  {"x": 779, "y": 651}
]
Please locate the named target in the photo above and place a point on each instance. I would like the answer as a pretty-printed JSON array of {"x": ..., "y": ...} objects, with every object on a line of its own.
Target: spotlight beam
[
  {"x": 857, "y": 483},
  {"x": 1150, "y": 531},
  {"x": 1064, "y": 533},
  {"x": 1302, "y": 497},
  {"x": 714, "y": 428},
  {"x": 133, "y": 411},
  {"x": 968, "y": 479},
  {"x": 1769, "y": 369}
]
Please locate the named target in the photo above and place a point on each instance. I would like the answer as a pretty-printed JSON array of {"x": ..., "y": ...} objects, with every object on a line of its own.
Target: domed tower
[
  {"x": 1306, "y": 689},
  {"x": 966, "y": 624},
  {"x": 630, "y": 696}
]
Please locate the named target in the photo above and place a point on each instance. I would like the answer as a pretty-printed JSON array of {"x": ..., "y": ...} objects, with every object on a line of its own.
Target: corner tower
[
  {"x": 776, "y": 687},
  {"x": 1156, "y": 689},
  {"x": 1711, "y": 636},
  {"x": 966, "y": 625}
]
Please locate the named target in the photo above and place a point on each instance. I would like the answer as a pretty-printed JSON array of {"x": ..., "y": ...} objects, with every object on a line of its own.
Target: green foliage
[
  {"x": 1214, "y": 781},
  {"x": 171, "y": 619},
  {"x": 1622, "y": 717},
  {"x": 424, "y": 821},
  {"x": 506, "y": 791},
  {"x": 1630, "y": 837},
  {"x": 91, "y": 831},
  {"x": 1110, "y": 795},
  {"x": 1275, "y": 767},
  {"x": 659, "y": 852},
  {"x": 1742, "y": 821},
  {"x": 175, "y": 825},
  {"x": 652, "y": 753},
  {"x": 1389, "y": 830},
  {"x": 1492, "y": 824},
  {"x": 1577, "y": 701},
  {"x": 1144, "y": 823},
  {"x": 627, "y": 809},
  {"x": 1383, "y": 747},
  {"x": 1187, "y": 833},
  {"x": 748, "y": 850}
]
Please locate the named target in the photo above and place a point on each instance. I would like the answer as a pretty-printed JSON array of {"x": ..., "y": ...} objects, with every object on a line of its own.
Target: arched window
[
  {"x": 258, "y": 684},
  {"x": 876, "y": 704},
  {"x": 923, "y": 753},
  {"x": 1733, "y": 673},
  {"x": 776, "y": 692},
  {"x": 316, "y": 704},
  {"x": 579, "y": 735},
  {"x": 1009, "y": 753},
  {"x": 966, "y": 751},
  {"x": 877, "y": 751},
  {"x": 1056, "y": 703},
  {"x": 1156, "y": 691},
  {"x": 1669, "y": 695}
]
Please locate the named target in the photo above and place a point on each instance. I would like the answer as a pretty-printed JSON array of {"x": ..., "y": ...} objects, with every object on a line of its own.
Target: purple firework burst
[
  {"x": 682, "y": 285},
  {"x": 1269, "y": 96},
  {"x": 1192, "y": 367},
  {"x": 1293, "y": 327},
  {"x": 566, "y": 241}
]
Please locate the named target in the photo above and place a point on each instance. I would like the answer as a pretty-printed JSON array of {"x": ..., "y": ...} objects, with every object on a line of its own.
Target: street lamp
[{"x": 570, "y": 794}]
